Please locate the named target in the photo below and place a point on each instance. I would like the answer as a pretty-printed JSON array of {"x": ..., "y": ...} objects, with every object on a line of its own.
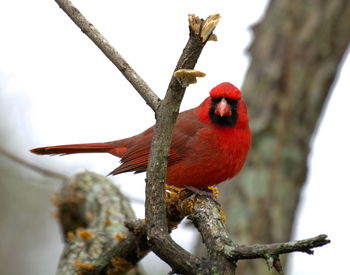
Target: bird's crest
[{"x": 227, "y": 90}]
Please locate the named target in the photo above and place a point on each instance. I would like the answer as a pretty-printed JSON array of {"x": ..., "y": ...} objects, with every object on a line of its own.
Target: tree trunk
[{"x": 295, "y": 57}]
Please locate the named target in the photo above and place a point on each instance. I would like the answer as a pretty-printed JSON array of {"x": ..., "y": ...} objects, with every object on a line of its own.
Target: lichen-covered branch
[
  {"x": 101, "y": 42},
  {"x": 99, "y": 227},
  {"x": 92, "y": 212}
]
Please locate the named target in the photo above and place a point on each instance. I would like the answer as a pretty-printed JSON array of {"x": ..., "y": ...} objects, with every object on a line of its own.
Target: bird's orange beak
[{"x": 223, "y": 108}]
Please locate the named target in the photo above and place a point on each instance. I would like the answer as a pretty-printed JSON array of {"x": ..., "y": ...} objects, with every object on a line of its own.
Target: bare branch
[
  {"x": 101, "y": 42},
  {"x": 157, "y": 229},
  {"x": 269, "y": 250},
  {"x": 36, "y": 168},
  {"x": 208, "y": 219}
]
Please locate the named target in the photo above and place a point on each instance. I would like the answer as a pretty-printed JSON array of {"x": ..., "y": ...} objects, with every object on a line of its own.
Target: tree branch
[
  {"x": 101, "y": 42},
  {"x": 81, "y": 211},
  {"x": 102, "y": 235},
  {"x": 92, "y": 212},
  {"x": 157, "y": 229},
  {"x": 99, "y": 227},
  {"x": 269, "y": 250},
  {"x": 36, "y": 168},
  {"x": 207, "y": 217}
]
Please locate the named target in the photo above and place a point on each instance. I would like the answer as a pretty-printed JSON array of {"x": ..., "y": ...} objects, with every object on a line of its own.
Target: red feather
[{"x": 202, "y": 152}]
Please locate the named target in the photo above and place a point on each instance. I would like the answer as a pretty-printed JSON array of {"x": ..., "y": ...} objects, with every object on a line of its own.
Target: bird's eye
[
  {"x": 228, "y": 100},
  {"x": 216, "y": 99}
]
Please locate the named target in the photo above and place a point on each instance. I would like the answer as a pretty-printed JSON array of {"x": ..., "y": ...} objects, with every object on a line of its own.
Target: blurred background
[{"x": 56, "y": 87}]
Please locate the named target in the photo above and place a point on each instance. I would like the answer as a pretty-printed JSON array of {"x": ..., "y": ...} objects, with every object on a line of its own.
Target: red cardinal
[{"x": 209, "y": 143}]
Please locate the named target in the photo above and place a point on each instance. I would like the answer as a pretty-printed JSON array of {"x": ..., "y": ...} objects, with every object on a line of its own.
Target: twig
[
  {"x": 269, "y": 250},
  {"x": 36, "y": 168},
  {"x": 101, "y": 42}
]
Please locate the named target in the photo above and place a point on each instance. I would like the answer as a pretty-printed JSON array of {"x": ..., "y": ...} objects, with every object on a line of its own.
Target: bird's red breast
[{"x": 209, "y": 143}]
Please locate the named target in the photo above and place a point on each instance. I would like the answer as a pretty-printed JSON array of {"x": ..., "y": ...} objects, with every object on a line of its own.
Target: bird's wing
[{"x": 136, "y": 157}]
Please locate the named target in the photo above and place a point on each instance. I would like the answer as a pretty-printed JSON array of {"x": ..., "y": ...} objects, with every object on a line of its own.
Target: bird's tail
[{"x": 107, "y": 147}]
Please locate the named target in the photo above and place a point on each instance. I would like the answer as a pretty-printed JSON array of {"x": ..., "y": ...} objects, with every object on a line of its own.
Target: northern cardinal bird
[{"x": 209, "y": 143}]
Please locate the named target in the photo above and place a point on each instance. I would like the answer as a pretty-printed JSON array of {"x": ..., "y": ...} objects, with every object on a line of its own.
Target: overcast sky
[{"x": 60, "y": 88}]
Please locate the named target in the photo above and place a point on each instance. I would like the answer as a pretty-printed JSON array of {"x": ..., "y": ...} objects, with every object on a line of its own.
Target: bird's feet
[{"x": 211, "y": 192}]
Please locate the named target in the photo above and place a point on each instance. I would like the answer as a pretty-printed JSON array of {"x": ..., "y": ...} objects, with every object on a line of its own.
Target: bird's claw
[{"x": 194, "y": 192}]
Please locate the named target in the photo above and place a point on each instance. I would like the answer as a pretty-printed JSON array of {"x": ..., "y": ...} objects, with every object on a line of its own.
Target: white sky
[{"x": 61, "y": 89}]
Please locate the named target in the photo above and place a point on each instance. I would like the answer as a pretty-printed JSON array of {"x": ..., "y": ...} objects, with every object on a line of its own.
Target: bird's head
[{"x": 226, "y": 106}]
